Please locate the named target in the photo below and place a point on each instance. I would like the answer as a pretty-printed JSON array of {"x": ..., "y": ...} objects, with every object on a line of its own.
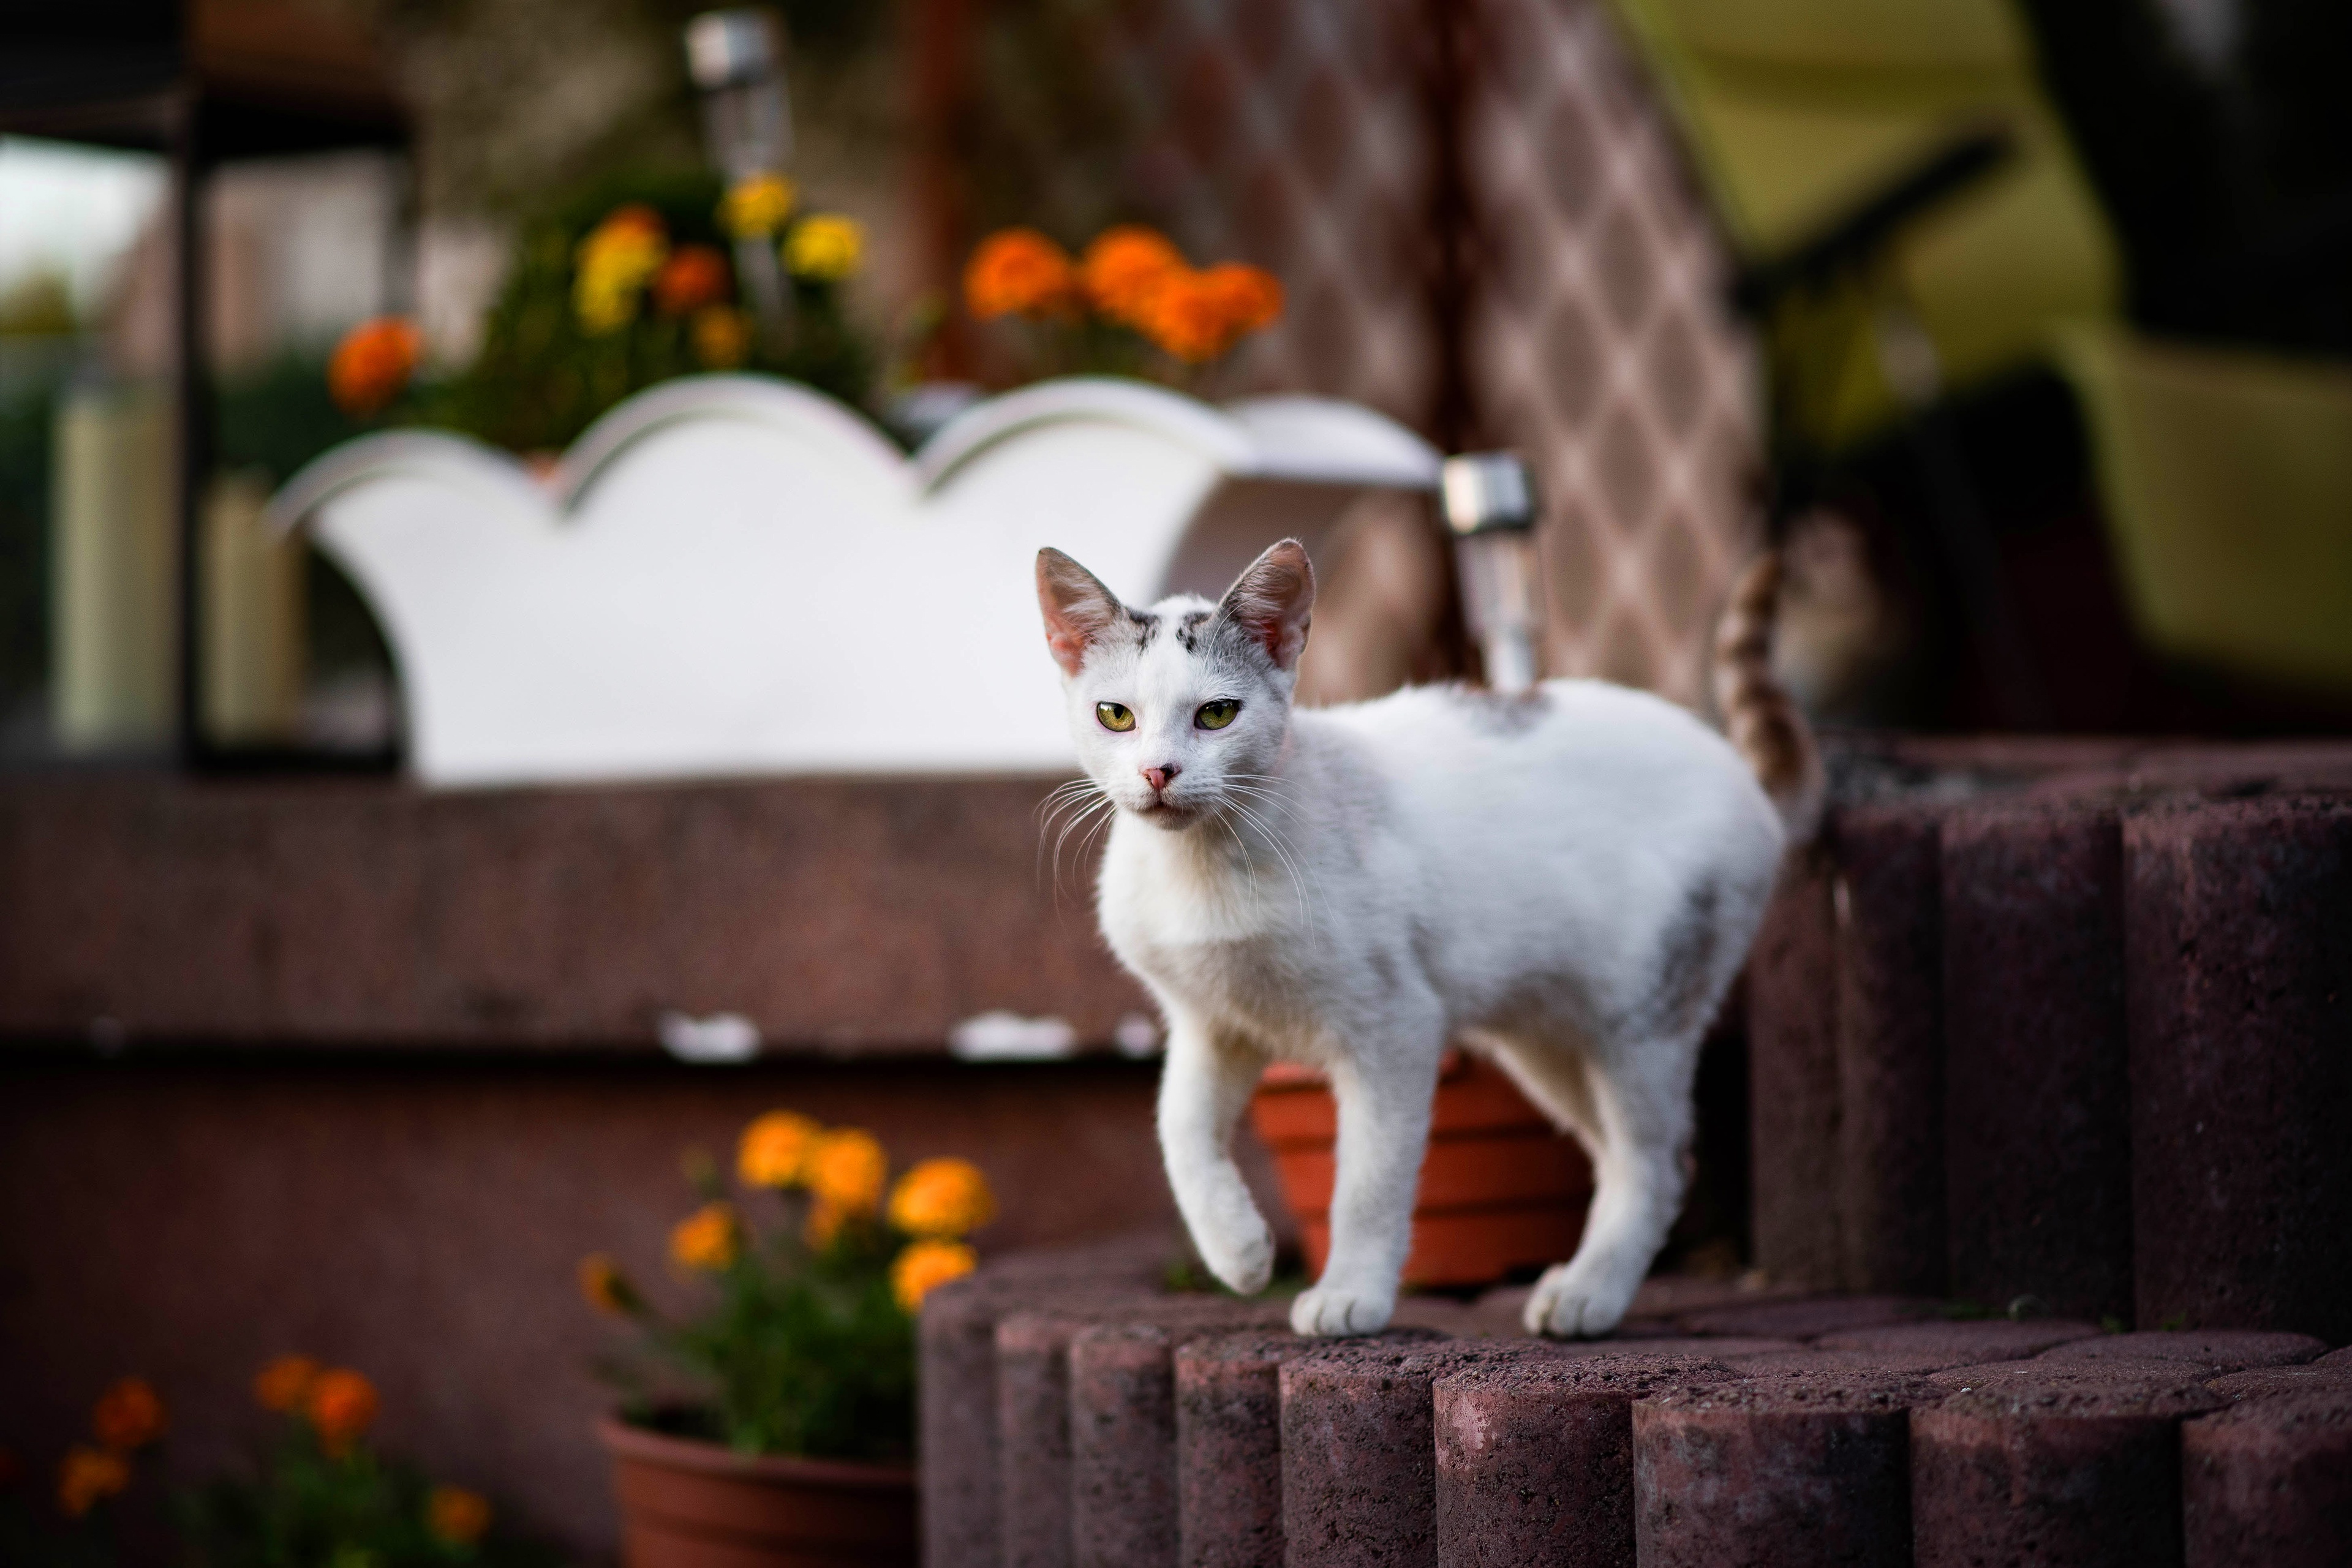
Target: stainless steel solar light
[
  {"x": 737, "y": 60},
  {"x": 1491, "y": 506}
]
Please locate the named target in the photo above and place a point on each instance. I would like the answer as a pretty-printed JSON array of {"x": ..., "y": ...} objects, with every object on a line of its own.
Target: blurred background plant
[
  {"x": 805, "y": 1344},
  {"x": 1130, "y": 305}
]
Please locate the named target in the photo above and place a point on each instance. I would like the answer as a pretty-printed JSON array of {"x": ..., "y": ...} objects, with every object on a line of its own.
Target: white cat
[{"x": 1568, "y": 880}]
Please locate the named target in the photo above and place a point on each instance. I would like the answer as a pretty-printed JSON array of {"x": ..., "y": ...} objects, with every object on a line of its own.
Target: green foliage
[
  {"x": 304, "y": 1508},
  {"x": 803, "y": 1350},
  {"x": 540, "y": 378}
]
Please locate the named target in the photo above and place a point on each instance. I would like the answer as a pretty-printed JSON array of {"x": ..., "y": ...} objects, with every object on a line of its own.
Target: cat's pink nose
[{"x": 1158, "y": 777}]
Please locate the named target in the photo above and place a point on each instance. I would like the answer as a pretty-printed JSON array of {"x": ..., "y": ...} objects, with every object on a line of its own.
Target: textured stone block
[
  {"x": 1122, "y": 1446},
  {"x": 1534, "y": 1458},
  {"x": 2260, "y": 1381},
  {"x": 1810, "y": 1319},
  {"x": 1793, "y": 1066},
  {"x": 1778, "y": 1470},
  {"x": 1964, "y": 1343},
  {"x": 2240, "y": 959},
  {"x": 1358, "y": 1457},
  {"x": 2048, "y": 1473},
  {"x": 1032, "y": 1428},
  {"x": 2037, "y": 1119},
  {"x": 1890, "y": 1047},
  {"x": 2223, "y": 1350},
  {"x": 2338, "y": 1358},
  {"x": 957, "y": 1414},
  {"x": 2146, "y": 1374},
  {"x": 1229, "y": 1448},
  {"x": 2268, "y": 1483},
  {"x": 1808, "y": 1358}
]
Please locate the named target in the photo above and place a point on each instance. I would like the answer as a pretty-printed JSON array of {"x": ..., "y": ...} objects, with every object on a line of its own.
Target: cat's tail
[{"x": 1759, "y": 715}]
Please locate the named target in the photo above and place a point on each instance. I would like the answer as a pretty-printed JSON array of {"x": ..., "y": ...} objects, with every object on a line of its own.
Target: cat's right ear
[{"x": 1078, "y": 609}]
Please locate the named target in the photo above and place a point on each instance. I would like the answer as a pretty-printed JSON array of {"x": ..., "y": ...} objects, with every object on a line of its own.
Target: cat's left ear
[
  {"x": 1077, "y": 608},
  {"x": 1273, "y": 600}
]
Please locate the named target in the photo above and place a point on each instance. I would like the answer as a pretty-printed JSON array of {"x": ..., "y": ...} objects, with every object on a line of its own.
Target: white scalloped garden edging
[{"x": 737, "y": 575}]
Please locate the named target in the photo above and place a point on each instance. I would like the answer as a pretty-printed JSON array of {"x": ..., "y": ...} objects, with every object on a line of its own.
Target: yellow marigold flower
[
  {"x": 722, "y": 336},
  {"x": 87, "y": 1476},
  {"x": 620, "y": 257},
  {"x": 756, "y": 206},
  {"x": 456, "y": 1516},
  {"x": 1124, "y": 268},
  {"x": 926, "y": 1265},
  {"x": 1019, "y": 272},
  {"x": 825, "y": 247},
  {"x": 342, "y": 1406},
  {"x": 846, "y": 1169},
  {"x": 129, "y": 1416},
  {"x": 606, "y": 1288},
  {"x": 775, "y": 1148},
  {"x": 284, "y": 1385},
  {"x": 707, "y": 1239},
  {"x": 945, "y": 1198}
]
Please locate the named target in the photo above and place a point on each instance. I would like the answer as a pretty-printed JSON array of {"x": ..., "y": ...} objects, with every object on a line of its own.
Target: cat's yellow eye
[
  {"x": 1218, "y": 714},
  {"x": 1115, "y": 715}
]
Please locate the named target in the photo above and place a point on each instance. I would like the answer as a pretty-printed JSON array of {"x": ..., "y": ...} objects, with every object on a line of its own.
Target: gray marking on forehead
[
  {"x": 1187, "y": 630},
  {"x": 1146, "y": 623}
]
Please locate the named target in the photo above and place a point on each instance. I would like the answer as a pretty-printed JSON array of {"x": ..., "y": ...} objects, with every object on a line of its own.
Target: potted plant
[
  {"x": 1501, "y": 1189},
  {"x": 774, "y": 1420}
]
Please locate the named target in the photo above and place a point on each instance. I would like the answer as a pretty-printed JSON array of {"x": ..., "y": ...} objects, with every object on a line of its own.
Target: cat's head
[{"x": 1179, "y": 709}]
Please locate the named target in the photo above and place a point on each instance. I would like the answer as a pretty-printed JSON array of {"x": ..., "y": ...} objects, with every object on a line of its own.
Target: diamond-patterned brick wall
[{"x": 1600, "y": 347}]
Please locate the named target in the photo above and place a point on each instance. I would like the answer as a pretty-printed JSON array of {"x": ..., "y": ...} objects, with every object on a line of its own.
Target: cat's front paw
[
  {"x": 1244, "y": 1266},
  {"x": 1335, "y": 1309},
  {"x": 1569, "y": 1306}
]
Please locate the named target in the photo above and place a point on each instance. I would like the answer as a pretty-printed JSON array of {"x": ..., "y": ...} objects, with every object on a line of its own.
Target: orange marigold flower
[
  {"x": 373, "y": 364},
  {"x": 1187, "y": 319},
  {"x": 1019, "y": 272},
  {"x": 1124, "y": 268},
  {"x": 946, "y": 1198},
  {"x": 707, "y": 1239},
  {"x": 775, "y": 1148},
  {"x": 757, "y": 204},
  {"x": 456, "y": 1516},
  {"x": 925, "y": 1266},
  {"x": 606, "y": 1288},
  {"x": 694, "y": 275},
  {"x": 846, "y": 1169},
  {"x": 1250, "y": 297},
  {"x": 284, "y": 1385},
  {"x": 87, "y": 1476},
  {"x": 342, "y": 1406},
  {"x": 128, "y": 1417},
  {"x": 722, "y": 336}
]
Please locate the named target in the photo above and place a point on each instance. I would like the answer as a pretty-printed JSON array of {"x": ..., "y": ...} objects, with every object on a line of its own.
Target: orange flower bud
[
  {"x": 846, "y": 1169},
  {"x": 129, "y": 1416},
  {"x": 775, "y": 1148},
  {"x": 456, "y": 1516},
  {"x": 87, "y": 1477},
  {"x": 342, "y": 1407},
  {"x": 373, "y": 364},
  {"x": 1124, "y": 269},
  {"x": 707, "y": 1239},
  {"x": 695, "y": 276},
  {"x": 946, "y": 1198},
  {"x": 284, "y": 1385},
  {"x": 925, "y": 1266}
]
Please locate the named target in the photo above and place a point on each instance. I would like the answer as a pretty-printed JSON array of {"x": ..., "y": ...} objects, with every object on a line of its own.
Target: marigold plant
[
  {"x": 455, "y": 1516},
  {"x": 1124, "y": 269},
  {"x": 694, "y": 275},
  {"x": 284, "y": 1385},
  {"x": 1019, "y": 272},
  {"x": 374, "y": 364},
  {"x": 129, "y": 1416},
  {"x": 806, "y": 1343}
]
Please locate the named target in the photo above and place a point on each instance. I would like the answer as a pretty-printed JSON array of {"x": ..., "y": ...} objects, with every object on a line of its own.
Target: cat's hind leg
[{"x": 1638, "y": 1098}]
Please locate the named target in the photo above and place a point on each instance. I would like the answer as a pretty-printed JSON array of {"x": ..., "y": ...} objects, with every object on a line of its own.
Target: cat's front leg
[
  {"x": 1204, "y": 1086},
  {"x": 1384, "y": 1104}
]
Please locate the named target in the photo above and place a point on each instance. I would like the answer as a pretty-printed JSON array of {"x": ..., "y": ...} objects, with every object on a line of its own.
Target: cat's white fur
[{"x": 1568, "y": 881}]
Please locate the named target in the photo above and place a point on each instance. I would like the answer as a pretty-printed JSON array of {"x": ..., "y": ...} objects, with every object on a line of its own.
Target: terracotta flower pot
[
  {"x": 690, "y": 1504},
  {"x": 1501, "y": 1189}
]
